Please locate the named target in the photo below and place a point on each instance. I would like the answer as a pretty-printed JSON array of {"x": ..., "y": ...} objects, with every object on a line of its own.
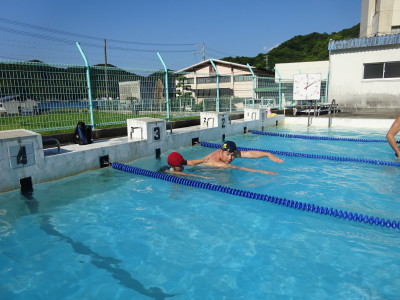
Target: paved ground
[
  {"x": 362, "y": 115},
  {"x": 368, "y": 115}
]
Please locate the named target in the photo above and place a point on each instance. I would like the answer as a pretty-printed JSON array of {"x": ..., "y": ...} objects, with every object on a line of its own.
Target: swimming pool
[{"x": 114, "y": 235}]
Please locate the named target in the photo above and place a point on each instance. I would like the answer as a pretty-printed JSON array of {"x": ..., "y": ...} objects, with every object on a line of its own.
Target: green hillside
[{"x": 310, "y": 47}]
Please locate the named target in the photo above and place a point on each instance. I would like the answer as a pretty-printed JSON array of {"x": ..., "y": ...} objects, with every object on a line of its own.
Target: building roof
[
  {"x": 363, "y": 42},
  {"x": 216, "y": 61}
]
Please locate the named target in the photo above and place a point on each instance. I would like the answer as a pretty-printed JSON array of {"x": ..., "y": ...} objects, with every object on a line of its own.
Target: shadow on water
[
  {"x": 30, "y": 201},
  {"x": 103, "y": 262}
]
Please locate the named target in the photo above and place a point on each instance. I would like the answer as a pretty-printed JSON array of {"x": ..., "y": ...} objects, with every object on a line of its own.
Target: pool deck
[
  {"x": 366, "y": 115},
  {"x": 43, "y": 165}
]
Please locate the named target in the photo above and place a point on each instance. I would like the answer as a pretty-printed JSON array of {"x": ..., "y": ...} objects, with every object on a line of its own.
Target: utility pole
[
  {"x": 105, "y": 67},
  {"x": 204, "y": 51}
]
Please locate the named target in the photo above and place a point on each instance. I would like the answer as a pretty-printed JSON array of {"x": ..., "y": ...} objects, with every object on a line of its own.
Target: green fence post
[
  {"x": 166, "y": 84},
  {"x": 252, "y": 73},
  {"x": 88, "y": 84},
  {"x": 216, "y": 72}
]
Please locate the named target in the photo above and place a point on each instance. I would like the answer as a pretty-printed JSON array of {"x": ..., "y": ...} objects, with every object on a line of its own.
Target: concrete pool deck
[{"x": 23, "y": 157}]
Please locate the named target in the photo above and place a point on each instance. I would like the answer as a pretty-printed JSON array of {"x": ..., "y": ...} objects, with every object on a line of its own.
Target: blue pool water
[{"x": 109, "y": 234}]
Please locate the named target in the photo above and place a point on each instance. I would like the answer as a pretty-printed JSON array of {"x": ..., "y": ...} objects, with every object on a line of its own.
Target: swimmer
[
  {"x": 390, "y": 136},
  {"x": 176, "y": 165},
  {"x": 224, "y": 156}
]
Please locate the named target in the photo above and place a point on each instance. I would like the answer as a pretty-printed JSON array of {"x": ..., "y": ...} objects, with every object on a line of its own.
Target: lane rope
[
  {"x": 303, "y": 206},
  {"x": 307, "y": 155},
  {"x": 314, "y": 137}
]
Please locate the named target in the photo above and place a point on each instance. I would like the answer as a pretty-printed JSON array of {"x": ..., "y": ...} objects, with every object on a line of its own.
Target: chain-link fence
[{"x": 54, "y": 97}]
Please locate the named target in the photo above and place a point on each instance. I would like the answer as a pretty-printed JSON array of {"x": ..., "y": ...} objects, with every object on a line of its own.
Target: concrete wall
[
  {"x": 50, "y": 165},
  {"x": 288, "y": 70},
  {"x": 379, "y": 20},
  {"x": 47, "y": 164},
  {"x": 351, "y": 91}
]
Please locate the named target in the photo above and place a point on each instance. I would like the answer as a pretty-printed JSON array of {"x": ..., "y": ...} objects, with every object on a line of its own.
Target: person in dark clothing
[{"x": 176, "y": 165}]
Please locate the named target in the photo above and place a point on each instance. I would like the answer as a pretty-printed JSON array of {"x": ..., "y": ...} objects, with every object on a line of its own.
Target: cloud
[{"x": 267, "y": 49}]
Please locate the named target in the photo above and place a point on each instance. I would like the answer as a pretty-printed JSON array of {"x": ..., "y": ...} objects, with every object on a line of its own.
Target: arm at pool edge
[
  {"x": 390, "y": 136},
  {"x": 194, "y": 162},
  {"x": 259, "y": 154},
  {"x": 228, "y": 166},
  {"x": 186, "y": 174}
]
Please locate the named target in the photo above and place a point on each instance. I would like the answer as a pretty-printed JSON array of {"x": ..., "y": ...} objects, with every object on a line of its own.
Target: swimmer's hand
[
  {"x": 186, "y": 174},
  {"x": 274, "y": 158},
  {"x": 205, "y": 177},
  {"x": 268, "y": 172}
]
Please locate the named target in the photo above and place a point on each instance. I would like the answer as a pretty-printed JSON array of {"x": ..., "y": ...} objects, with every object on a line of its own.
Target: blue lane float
[
  {"x": 314, "y": 137},
  {"x": 303, "y": 206},
  {"x": 315, "y": 156}
]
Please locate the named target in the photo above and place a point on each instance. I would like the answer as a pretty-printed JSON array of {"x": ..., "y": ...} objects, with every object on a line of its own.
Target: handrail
[
  {"x": 309, "y": 109},
  {"x": 333, "y": 103},
  {"x": 50, "y": 139}
]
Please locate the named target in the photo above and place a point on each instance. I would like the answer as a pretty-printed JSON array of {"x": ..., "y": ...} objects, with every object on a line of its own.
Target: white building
[
  {"x": 18, "y": 105},
  {"x": 379, "y": 17},
  {"x": 129, "y": 93},
  {"x": 235, "y": 80},
  {"x": 364, "y": 73}
]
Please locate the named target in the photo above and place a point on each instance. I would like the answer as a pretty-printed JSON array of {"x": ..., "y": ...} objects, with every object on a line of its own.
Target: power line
[
  {"x": 67, "y": 41},
  {"x": 40, "y": 28}
]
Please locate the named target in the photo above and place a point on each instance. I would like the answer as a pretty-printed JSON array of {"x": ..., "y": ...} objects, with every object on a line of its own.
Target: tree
[{"x": 300, "y": 48}]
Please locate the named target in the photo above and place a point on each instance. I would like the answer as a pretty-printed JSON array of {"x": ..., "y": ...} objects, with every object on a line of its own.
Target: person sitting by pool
[
  {"x": 390, "y": 136},
  {"x": 224, "y": 156},
  {"x": 176, "y": 164}
]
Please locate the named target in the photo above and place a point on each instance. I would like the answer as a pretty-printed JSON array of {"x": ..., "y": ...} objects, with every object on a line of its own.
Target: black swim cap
[{"x": 229, "y": 146}]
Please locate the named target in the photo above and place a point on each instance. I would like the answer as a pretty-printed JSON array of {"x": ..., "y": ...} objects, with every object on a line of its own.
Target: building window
[
  {"x": 392, "y": 69},
  {"x": 395, "y": 29},
  {"x": 382, "y": 70},
  {"x": 223, "y": 92},
  {"x": 373, "y": 71},
  {"x": 188, "y": 80},
  {"x": 242, "y": 78},
  {"x": 222, "y": 79}
]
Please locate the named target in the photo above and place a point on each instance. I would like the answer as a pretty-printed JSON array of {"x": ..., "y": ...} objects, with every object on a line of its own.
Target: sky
[{"x": 139, "y": 33}]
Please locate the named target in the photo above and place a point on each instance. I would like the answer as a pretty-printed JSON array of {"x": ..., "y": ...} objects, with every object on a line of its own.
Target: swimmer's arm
[
  {"x": 228, "y": 166},
  {"x": 186, "y": 174},
  {"x": 258, "y": 154},
  {"x": 253, "y": 170},
  {"x": 390, "y": 136},
  {"x": 194, "y": 162}
]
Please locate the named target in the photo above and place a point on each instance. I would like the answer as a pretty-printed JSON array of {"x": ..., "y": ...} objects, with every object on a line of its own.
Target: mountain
[{"x": 300, "y": 48}]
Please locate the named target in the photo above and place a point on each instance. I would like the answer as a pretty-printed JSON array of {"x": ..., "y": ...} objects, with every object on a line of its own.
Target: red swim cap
[{"x": 175, "y": 159}]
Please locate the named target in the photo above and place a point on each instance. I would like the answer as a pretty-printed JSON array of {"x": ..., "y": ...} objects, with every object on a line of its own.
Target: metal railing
[
  {"x": 48, "y": 98},
  {"x": 332, "y": 106}
]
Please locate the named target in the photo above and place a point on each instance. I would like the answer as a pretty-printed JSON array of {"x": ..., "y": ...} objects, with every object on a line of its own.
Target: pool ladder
[
  {"x": 309, "y": 121},
  {"x": 333, "y": 105}
]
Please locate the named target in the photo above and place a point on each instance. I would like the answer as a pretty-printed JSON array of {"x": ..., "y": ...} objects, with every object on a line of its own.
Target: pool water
[{"x": 109, "y": 234}]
